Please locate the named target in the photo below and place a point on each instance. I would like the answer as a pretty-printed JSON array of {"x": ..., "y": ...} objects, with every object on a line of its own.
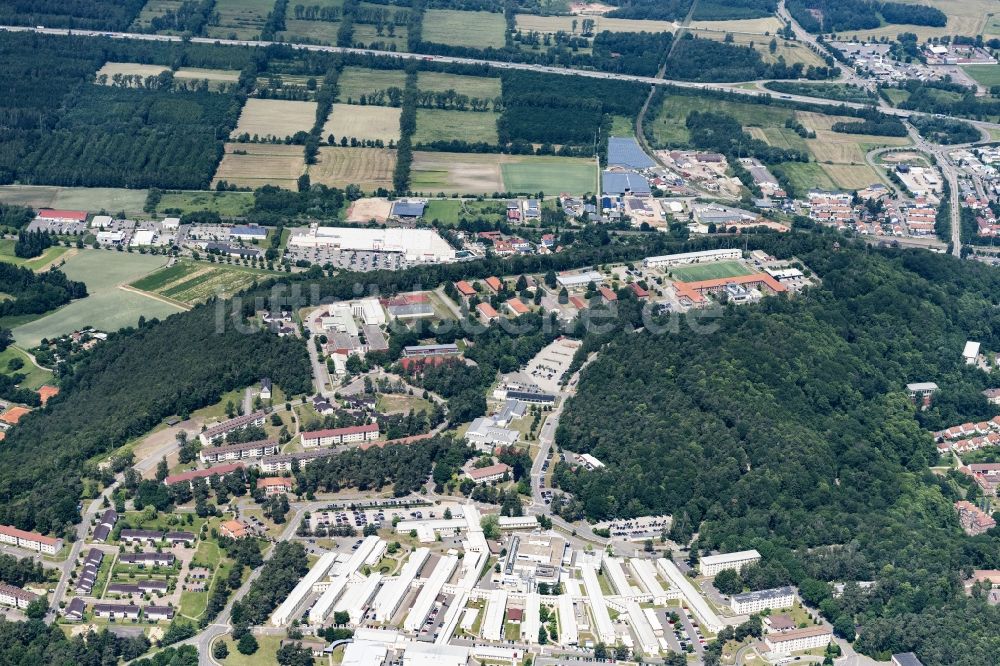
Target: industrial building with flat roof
[
  {"x": 692, "y": 258},
  {"x": 416, "y": 245}
]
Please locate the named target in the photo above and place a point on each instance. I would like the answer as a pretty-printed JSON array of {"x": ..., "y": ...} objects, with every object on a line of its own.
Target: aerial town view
[{"x": 499, "y": 332}]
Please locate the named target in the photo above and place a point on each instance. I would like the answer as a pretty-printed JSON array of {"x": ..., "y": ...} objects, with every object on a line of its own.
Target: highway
[{"x": 731, "y": 87}]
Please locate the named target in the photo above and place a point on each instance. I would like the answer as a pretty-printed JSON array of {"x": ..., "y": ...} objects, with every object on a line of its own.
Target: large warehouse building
[{"x": 416, "y": 245}]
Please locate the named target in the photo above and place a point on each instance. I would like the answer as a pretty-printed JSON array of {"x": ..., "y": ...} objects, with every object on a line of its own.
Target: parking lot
[
  {"x": 547, "y": 368},
  {"x": 349, "y": 260}
]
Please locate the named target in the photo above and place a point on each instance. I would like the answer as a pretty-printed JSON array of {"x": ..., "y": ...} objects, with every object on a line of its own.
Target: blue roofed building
[
  {"x": 623, "y": 182},
  {"x": 411, "y": 210},
  {"x": 626, "y": 152}
]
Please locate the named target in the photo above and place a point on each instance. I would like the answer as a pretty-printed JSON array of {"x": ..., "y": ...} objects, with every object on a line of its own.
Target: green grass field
[
  {"x": 92, "y": 199},
  {"x": 357, "y": 81},
  {"x": 442, "y": 125},
  {"x": 243, "y": 18},
  {"x": 986, "y": 75},
  {"x": 107, "y": 307},
  {"x": 668, "y": 126},
  {"x": 622, "y": 126},
  {"x": 227, "y": 204},
  {"x": 551, "y": 175},
  {"x": 42, "y": 260},
  {"x": 319, "y": 32},
  {"x": 34, "y": 376},
  {"x": 806, "y": 176},
  {"x": 709, "y": 271},
  {"x": 472, "y": 29},
  {"x": 482, "y": 87},
  {"x": 451, "y": 211},
  {"x": 165, "y": 276}
]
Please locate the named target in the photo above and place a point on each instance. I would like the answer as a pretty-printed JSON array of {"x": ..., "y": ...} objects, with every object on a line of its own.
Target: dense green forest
[
  {"x": 946, "y": 130},
  {"x": 840, "y": 15},
  {"x": 948, "y": 98},
  {"x": 122, "y": 389},
  {"x": 82, "y": 14},
  {"x": 788, "y": 429},
  {"x": 36, "y": 293},
  {"x": 33, "y": 643}
]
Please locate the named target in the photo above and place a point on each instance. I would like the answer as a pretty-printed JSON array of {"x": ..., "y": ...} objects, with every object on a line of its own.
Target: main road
[{"x": 731, "y": 87}]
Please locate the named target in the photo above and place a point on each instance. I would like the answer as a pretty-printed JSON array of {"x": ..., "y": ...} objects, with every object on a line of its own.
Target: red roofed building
[
  {"x": 29, "y": 540},
  {"x": 62, "y": 215},
  {"x": 275, "y": 485},
  {"x": 695, "y": 291},
  {"x": 638, "y": 290},
  {"x": 360, "y": 433},
  {"x": 517, "y": 307},
  {"x": 487, "y": 313},
  {"x": 46, "y": 392},
  {"x": 607, "y": 294},
  {"x": 233, "y": 529},
  {"x": 187, "y": 477},
  {"x": 577, "y": 302},
  {"x": 487, "y": 474},
  {"x": 973, "y": 519},
  {"x": 465, "y": 289},
  {"x": 494, "y": 284}
]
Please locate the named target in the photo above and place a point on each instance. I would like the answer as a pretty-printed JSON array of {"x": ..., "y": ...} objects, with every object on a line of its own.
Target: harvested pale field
[
  {"x": 128, "y": 69},
  {"x": 461, "y": 173},
  {"x": 363, "y": 122},
  {"x": 553, "y": 24},
  {"x": 368, "y": 168},
  {"x": 767, "y": 24},
  {"x": 476, "y": 30},
  {"x": 965, "y": 17},
  {"x": 483, "y": 87},
  {"x": 839, "y": 148},
  {"x": 365, "y": 210},
  {"x": 852, "y": 177},
  {"x": 357, "y": 81},
  {"x": 275, "y": 118},
  {"x": 215, "y": 75},
  {"x": 258, "y": 164}
]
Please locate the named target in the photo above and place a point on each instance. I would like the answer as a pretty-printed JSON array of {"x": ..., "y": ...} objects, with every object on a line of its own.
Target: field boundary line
[{"x": 155, "y": 297}]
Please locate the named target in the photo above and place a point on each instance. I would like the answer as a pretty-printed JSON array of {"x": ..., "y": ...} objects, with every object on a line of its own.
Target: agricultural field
[
  {"x": 227, "y": 204},
  {"x": 444, "y": 125},
  {"x": 792, "y": 52},
  {"x": 482, "y": 87},
  {"x": 622, "y": 126},
  {"x": 782, "y": 137},
  {"x": 668, "y": 126},
  {"x": 368, "y": 168},
  {"x": 215, "y": 76},
  {"x": 896, "y": 95},
  {"x": 74, "y": 198},
  {"x": 357, "y": 81},
  {"x": 257, "y": 164},
  {"x": 965, "y": 17},
  {"x": 710, "y": 271},
  {"x": 475, "y": 30},
  {"x": 469, "y": 173},
  {"x": 764, "y": 25},
  {"x": 830, "y": 146},
  {"x": 985, "y": 75},
  {"x": 363, "y": 122},
  {"x": 451, "y": 211},
  {"x": 366, "y": 33},
  {"x": 154, "y": 9},
  {"x": 108, "y": 306},
  {"x": 240, "y": 18},
  {"x": 275, "y": 118},
  {"x": 805, "y": 176},
  {"x": 188, "y": 282},
  {"x": 36, "y": 263},
  {"x": 553, "y": 24},
  {"x": 317, "y": 32},
  {"x": 128, "y": 69}
]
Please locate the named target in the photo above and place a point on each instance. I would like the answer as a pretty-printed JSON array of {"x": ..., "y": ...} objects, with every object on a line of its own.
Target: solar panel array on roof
[
  {"x": 627, "y": 152},
  {"x": 408, "y": 209},
  {"x": 620, "y": 183}
]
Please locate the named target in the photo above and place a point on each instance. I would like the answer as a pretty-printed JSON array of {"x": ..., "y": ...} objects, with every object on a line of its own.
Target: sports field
[
  {"x": 471, "y": 173},
  {"x": 476, "y": 30},
  {"x": 483, "y": 87},
  {"x": 709, "y": 271},
  {"x": 357, "y": 81},
  {"x": 189, "y": 282},
  {"x": 258, "y": 164},
  {"x": 442, "y": 125},
  {"x": 362, "y": 122},
  {"x": 108, "y": 307},
  {"x": 985, "y": 75},
  {"x": 275, "y": 117},
  {"x": 368, "y": 168},
  {"x": 74, "y": 198},
  {"x": 243, "y": 18}
]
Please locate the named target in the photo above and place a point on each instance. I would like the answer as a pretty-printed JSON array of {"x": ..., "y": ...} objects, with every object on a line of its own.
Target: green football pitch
[{"x": 709, "y": 271}]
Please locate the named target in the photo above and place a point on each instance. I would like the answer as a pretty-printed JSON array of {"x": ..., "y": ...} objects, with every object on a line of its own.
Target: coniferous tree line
[
  {"x": 407, "y": 126},
  {"x": 699, "y": 59},
  {"x": 36, "y": 293},
  {"x": 80, "y": 14},
  {"x": 840, "y": 15},
  {"x": 191, "y": 16}
]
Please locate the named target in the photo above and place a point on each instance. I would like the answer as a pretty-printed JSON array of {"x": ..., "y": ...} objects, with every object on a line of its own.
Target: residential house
[
  {"x": 15, "y": 597},
  {"x": 488, "y": 474},
  {"x": 275, "y": 485},
  {"x": 117, "y": 611},
  {"x": 233, "y": 529}
]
